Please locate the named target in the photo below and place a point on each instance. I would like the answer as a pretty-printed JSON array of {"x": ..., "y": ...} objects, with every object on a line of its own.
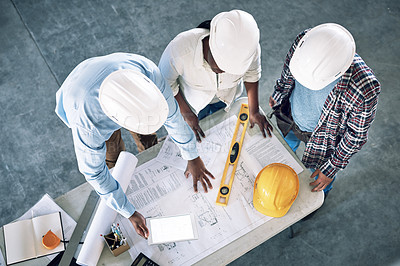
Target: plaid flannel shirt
[{"x": 347, "y": 114}]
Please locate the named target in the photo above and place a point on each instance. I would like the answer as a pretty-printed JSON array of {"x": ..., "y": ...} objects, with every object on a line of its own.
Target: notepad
[
  {"x": 172, "y": 229},
  {"x": 23, "y": 239}
]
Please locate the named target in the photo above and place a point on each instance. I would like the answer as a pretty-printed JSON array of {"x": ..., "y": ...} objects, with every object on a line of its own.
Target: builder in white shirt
[{"x": 207, "y": 66}]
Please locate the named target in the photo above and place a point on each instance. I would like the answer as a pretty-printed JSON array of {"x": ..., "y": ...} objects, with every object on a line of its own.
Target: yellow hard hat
[{"x": 275, "y": 189}]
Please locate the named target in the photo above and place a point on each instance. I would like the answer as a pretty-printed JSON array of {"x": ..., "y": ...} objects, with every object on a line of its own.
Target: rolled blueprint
[{"x": 105, "y": 216}]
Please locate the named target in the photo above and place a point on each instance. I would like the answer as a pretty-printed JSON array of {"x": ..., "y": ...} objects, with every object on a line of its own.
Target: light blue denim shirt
[{"x": 79, "y": 108}]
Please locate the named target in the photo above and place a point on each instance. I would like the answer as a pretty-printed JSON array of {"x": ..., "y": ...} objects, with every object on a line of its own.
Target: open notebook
[{"x": 23, "y": 239}]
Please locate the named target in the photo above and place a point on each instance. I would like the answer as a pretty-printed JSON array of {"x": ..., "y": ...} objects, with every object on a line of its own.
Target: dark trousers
[
  {"x": 210, "y": 109},
  {"x": 115, "y": 145}
]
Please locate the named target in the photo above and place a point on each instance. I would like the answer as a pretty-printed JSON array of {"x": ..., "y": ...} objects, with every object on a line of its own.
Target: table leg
[{"x": 291, "y": 233}]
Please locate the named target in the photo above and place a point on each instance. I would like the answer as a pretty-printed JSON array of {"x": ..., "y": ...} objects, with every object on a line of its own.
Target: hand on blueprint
[
  {"x": 262, "y": 122},
  {"x": 139, "y": 223},
  {"x": 321, "y": 182},
  {"x": 198, "y": 170}
]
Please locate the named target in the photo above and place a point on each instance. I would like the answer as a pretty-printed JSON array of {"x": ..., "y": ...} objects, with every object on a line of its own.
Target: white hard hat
[
  {"x": 234, "y": 38},
  {"x": 133, "y": 101},
  {"x": 323, "y": 55}
]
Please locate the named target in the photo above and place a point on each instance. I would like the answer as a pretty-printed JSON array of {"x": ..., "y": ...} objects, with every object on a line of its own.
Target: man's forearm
[
  {"x": 252, "y": 95},
  {"x": 185, "y": 109}
]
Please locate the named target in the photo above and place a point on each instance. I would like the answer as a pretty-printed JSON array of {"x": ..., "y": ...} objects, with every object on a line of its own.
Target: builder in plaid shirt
[{"x": 327, "y": 97}]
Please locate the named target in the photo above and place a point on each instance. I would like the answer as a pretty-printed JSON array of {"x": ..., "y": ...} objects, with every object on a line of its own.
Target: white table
[{"x": 307, "y": 202}]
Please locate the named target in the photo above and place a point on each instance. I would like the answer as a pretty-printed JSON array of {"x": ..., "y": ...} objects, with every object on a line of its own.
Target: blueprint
[
  {"x": 159, "y": 188},
  {"x": 170, "y": 154}
]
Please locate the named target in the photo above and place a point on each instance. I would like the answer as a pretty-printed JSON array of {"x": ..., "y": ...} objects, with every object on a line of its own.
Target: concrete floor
[{"x": 41, "y": 42}]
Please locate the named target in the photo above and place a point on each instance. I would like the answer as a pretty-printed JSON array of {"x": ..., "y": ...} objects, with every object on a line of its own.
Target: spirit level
[{"x": 233, "y": 156}]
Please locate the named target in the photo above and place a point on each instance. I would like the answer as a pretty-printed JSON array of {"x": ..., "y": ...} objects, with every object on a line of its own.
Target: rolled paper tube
[{"x": 105, "y": 216}]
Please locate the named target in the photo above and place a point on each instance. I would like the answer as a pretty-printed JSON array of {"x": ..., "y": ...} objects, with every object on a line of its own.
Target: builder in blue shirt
[{"x": 103, "y": 94}]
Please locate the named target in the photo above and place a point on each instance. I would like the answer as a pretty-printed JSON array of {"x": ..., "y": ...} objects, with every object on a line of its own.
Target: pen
[{"x": 109, "y": 238}]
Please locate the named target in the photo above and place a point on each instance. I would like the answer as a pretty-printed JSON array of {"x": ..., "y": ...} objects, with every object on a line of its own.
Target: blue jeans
[
  {"x": 294, "y": 143},
  {"x": 210, "y": 109}
]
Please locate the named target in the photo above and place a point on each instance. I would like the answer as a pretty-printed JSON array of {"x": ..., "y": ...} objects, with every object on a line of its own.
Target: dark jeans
[{"x": 210, "y": 109}]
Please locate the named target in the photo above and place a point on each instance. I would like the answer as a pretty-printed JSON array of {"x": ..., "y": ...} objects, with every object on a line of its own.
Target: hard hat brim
[{"x": 268, "y": 212}]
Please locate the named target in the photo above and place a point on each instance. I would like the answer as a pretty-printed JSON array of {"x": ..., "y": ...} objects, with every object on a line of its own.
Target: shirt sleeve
[
  {"x": 356, "y": 134},
  {"x": 284, "y": 85},
  {"x": 90, "y": 152},
  {"x": 168, "y": 68},
  {"x": 177, "y": 128},
  {"x": 253, "y": 74}
]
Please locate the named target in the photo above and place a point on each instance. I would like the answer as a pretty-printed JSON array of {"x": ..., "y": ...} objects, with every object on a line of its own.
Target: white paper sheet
[
  {"x": 266, "y": 151},
  {"x": 105, "y": 216},
  {"x": 160, "y": 189},
  {"x": 46, "y": 205},
  {"x": 169, "y": 154},
  {"x": 173, "y": 194}
]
